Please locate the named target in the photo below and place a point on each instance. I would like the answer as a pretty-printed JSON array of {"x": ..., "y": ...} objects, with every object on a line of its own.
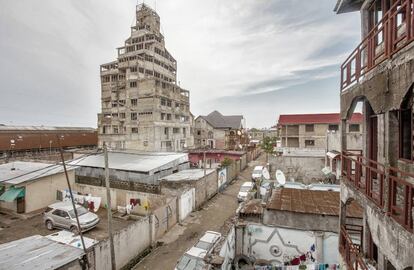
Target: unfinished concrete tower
[{"x": 142, "y": 106}]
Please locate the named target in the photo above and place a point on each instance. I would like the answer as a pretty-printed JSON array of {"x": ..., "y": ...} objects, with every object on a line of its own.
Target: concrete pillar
[
  {"x": 239, "y": 241},
  {"x": 319, "y": 246},
  {"x": 343, "y": 135}
]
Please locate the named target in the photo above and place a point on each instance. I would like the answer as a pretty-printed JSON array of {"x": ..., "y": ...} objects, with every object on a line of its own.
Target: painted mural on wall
[
  {"x": 222, "y": 177},
  {"x": 288, "y": 246}
]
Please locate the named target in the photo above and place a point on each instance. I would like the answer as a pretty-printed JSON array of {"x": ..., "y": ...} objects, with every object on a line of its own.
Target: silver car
[{"x": 61, "y": 215}]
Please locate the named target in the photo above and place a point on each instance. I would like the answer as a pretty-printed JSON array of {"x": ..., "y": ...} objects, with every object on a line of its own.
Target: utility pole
[
  {"x": 72, "y": 200},
  {"x": 204, "y": 161},
  {"x": 108, "y": 202}
]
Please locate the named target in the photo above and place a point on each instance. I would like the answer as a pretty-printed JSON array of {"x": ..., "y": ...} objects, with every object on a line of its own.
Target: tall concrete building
[{"x": 143, "y": 108}]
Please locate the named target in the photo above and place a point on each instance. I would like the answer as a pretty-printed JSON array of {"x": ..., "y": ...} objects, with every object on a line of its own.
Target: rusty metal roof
[
  {"x": 310, "y": 202},
  {"x": 252, "y": 207}
]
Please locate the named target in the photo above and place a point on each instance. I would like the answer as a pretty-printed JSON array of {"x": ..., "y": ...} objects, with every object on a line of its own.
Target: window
[
  {"x": 333, "y": 127},
  {"x": 166, "y": 131},
  {"x": 309, "y": 143},
  {"x": 176, "y": 130},
  {"x": 121, "y": 102},
  {"x": 115, "y": 129},
  {"x": 134, "y": 130},
  {"x": 132, "y": 84},
  {"x": 169, "y": 103},
  {"x": 184, "y": 132},
  {"x": 354, "y": 128},
  {"x": 60, "y": 213},
  {"x": 114, "y": 104},
  {"x": 163, "y": 116},
  {"x": 134, "y": 116},
  {"x": 133, "y": 69},
  {"x": 198, "y": 132},
  {"x": 105, "y": 129},
  {"x": 163, "y": 101},
  {"x": 122, "y": 115},
  {"x": 106, "y": 79},
  {"x": 169, "y": 116},
  {"x": 310, "y": 128},
  {"x": 134, "y": 102}
]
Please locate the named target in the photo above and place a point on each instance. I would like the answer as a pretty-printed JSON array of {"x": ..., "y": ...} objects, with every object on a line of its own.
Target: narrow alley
[{"x": 212, "y": 217}]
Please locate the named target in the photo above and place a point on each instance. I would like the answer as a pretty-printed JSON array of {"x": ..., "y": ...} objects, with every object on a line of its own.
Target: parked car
[
  {"x": 246, "y": 191},
  {"x": 193, "y": 259},
  {"x": 259, "y": 173},
  {"x": 62, "y": 215}
]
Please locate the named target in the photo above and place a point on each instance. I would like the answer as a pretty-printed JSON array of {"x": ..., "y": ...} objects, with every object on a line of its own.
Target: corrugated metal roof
[
  {"x": 187, "y": 175},
  {"x": 138, "y": 162},
  {"x": 36, "y": 252},
  {"x": 310, "y": 202},
  {"x": 18, "y": 172},
  {"x": 319, "y": 118},
  {"x": 44, "y": 128}
]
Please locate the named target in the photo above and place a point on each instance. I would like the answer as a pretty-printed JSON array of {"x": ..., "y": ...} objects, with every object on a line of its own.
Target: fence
[
  {"x": 375, "y": 181},
  {"x": 392, "y": 33}
]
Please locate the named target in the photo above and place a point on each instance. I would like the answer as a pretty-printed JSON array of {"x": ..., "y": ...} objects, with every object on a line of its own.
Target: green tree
[
  {"x": 226, "y": 162},
  {"x": 268, "y": 145}
]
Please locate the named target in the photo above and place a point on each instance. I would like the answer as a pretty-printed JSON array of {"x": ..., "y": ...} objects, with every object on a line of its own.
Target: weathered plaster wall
[{"x": 394, "y": 242}]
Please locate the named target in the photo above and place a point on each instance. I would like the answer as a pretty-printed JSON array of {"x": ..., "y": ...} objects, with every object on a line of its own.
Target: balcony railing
[
  {"x": 393, "y": 32},
  {"x": 370, "y": 177},
  {"x": 350, "y": 251},
  {"x": 401, "y": 194}
]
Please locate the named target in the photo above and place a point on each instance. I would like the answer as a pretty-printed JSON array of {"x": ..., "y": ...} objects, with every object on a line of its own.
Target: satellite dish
[
  {"x": 280, "y": 177},
  {"x": 266, "y": 174}
]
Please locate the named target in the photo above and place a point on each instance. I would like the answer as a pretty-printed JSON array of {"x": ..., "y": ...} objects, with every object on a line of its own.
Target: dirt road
[{"x": 211, "y": 217}]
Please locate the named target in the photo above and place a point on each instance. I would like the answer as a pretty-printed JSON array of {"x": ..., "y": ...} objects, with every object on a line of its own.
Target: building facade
[
  {"x": 379, "y": 75},
  {"x": 143, "y": 108},
  {"x": 310, "y": 130},
  {"x": 217, "y": 131}
]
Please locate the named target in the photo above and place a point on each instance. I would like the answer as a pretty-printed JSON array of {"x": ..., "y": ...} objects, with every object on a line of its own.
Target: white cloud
[{"x": 223, "y": 48}]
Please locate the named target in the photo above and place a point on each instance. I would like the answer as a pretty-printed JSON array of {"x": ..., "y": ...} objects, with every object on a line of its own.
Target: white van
[
  {"x": 259, "y": 172},
  {"x": 193, "y": 259},
  {"x": 245, "y": 191}
]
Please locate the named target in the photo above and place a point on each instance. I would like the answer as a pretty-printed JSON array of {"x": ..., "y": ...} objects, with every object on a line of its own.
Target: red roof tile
[{"x": 320, "y": 118}]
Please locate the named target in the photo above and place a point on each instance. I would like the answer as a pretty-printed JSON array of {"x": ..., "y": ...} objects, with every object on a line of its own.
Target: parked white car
[
  {"x": 245, "y": 191},
  {"x": 62, "y": 215},
  {"x": 259, "y": 173},
  {"x": 193, "y": 259}
]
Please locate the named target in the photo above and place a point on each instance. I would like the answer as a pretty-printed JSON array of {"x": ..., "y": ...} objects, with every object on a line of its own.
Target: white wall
[
  {"x": 186, "y": 203},
  {"x": 228, "y": 250},
  {"x": 260, "y": 240},
  {"x": 42, "y": 192},
  {"x": 129, "y": 243}
]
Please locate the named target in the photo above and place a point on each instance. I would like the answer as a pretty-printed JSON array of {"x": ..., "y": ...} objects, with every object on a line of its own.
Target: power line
[{"x": 51, "y": 167}]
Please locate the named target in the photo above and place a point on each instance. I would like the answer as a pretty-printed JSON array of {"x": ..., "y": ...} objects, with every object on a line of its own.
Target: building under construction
[{"x": 143, "y": 108}]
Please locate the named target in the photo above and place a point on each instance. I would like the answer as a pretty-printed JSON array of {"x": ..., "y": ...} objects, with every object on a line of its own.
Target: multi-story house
[
  {"x": 217, "y": 131},
  {"x": 310, "y": 130},
  {"x": 379, "y": 75},
  {"x": 142, "y": 106}
]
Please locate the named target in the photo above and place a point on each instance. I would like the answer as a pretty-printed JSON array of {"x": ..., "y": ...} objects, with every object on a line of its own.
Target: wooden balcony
[
  {"x": 350, "y": 251},
  {"x": 387, "y": 187},
  {"x": 393, "y": 32}
]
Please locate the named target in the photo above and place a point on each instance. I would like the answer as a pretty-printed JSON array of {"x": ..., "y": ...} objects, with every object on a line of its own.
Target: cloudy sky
[{"x": 259, "y": 58}]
